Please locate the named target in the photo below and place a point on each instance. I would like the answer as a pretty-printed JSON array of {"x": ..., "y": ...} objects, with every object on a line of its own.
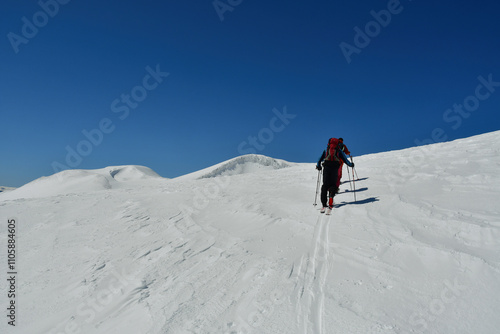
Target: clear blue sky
[{"x": 75, "y": 66}]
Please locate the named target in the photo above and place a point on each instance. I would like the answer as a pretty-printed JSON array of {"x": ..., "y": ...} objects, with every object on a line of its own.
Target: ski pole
[
  {"x": 353, "y": 182},
  {"x": 317, "y": 187},
  {"x": 354, "y": 170},
  {"x": 349, "y": 174}
]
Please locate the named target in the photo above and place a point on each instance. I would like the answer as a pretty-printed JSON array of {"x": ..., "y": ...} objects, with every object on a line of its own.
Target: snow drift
[
  {"x": 250, "y": 163},
  {"x": 229, "y": 250},
  {"x": 5, "y": 189},
  {"x": 80, "y": 181}
]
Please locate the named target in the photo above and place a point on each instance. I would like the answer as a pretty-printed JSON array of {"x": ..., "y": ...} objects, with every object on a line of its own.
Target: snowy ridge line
[
  {"x": 5, "y": 189},
  {"x": 78, "y": 181},
  {"x": 244, "y": 164}
]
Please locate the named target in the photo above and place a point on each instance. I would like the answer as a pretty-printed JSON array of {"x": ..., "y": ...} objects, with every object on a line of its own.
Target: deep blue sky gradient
[{"x": 226, "y": 77}]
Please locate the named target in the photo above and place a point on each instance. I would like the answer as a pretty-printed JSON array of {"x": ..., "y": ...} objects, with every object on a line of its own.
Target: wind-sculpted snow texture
[
  {"x": 110, "y": 251},
  {"x": 247, "y": 164},
  {"x": 83, "y": 181},
  {"x": 5, "y": 189},
  {"x": 244, "y": 164}
]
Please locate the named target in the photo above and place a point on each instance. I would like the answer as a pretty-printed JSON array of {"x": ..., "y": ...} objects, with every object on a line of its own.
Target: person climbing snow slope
[
  {"x": 346, "y": 151},
  {"x": 331, "y": 158}
]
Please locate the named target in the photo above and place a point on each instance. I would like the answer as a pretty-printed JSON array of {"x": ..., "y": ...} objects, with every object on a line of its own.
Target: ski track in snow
[{"x": 310, "y": 295}]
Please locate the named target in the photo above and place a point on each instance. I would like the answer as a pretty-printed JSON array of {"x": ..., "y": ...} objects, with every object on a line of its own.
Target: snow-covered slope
[
  {"x": 5, "y": 189},
  {"x": 246, "y": 251},
  {"x": 250, "y": 163},
  {"x": 81, "y": 181}
]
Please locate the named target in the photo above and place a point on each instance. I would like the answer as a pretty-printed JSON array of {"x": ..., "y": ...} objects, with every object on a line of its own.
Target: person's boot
[{"x": 331, "y": 203}]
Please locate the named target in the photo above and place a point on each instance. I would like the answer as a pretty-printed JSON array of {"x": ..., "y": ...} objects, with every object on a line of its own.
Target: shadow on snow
[{"x": 363, "y": 201}]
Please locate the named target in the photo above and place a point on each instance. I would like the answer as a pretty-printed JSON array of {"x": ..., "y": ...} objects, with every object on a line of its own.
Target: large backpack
[{"x": 332, "y": 150}]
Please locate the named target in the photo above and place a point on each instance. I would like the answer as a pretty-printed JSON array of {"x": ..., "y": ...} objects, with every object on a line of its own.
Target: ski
[{"x": 326, "y": 210}]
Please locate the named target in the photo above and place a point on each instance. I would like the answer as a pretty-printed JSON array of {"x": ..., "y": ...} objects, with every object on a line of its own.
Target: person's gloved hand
[{"x": 318, "y": 167}]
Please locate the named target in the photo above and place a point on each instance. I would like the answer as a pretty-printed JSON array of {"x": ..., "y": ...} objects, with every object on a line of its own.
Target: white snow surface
[
  {"x": 239, "y": 247},
  {"x": 82, "y": 181},
  {"x": 244, "y": 164},
  {"x": 5, "y": 189}
]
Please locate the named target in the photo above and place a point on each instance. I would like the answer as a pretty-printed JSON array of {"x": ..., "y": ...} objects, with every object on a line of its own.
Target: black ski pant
[{"x": 330, "y": 176}]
